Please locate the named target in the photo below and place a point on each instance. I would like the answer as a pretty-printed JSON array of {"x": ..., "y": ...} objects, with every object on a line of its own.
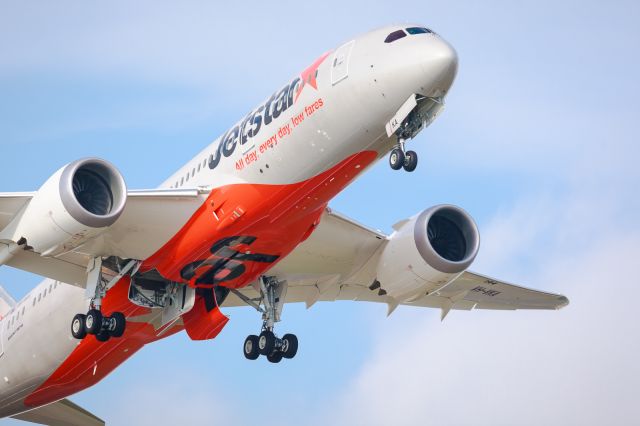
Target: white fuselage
[{"x": 305, "y": 129}]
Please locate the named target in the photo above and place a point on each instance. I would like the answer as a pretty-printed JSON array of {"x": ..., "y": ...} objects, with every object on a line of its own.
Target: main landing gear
[
  {"x": 399, "y": 158},
  {"x": 94, "y": 322},
  {"x": 273, "y": 293},
  {"x": 101, "y": 326}
]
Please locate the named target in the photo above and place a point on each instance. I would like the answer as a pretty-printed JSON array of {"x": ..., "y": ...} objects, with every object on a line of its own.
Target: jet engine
[
  {"x": 76, "y": 204},
  {"x": 427, "y": 251}
]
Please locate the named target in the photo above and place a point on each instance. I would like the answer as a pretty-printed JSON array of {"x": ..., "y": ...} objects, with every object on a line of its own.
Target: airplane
[{"x": 246, "y": 222}]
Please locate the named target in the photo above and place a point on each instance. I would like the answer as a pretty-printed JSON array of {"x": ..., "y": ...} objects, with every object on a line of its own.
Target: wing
[
  {"x": 150, "y": 219},
  {"x": 61, "y": 413},
  {"x": 10, "y": 204},
  {"x": 338, "y": 262}
]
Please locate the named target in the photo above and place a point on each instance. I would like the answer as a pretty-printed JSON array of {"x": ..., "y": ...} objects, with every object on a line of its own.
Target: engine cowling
[
  {"x": 428, "y": 251},
  {"x": 77, "y": 203}
]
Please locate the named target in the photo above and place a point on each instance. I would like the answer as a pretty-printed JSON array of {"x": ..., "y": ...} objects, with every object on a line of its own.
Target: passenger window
[
  {"x": 34, "y": 302},
  {"x": 50, "y": 287},
  {"x": 198, "y": 167},
  {"x": 417, "y": 30},
  {"x": 395, "y": 36},
  {"x": 187, "y": 179},
  {"x": 182, "y": 181},
  {"x": 193, "y": 172},
  {"x": 39, "y": 296},
  {"x": 23, "y": 311},
  {"x": 204, "y": 163}
]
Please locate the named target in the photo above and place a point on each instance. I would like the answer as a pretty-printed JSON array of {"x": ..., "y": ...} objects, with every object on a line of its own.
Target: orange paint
[
  {"x": 273, "y": 220},
  {"x": 202, "y": 325}
]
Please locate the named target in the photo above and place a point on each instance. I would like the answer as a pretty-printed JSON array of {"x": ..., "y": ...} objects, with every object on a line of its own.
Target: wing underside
[
  {"x": 150, "y": 219},
  {"x": 338, "y": 263}
]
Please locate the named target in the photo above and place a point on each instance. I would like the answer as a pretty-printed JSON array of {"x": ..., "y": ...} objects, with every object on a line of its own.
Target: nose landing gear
[{"x": 399, "y": 158}]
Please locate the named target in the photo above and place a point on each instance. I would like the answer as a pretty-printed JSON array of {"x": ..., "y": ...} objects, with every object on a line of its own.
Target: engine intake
[
  {"x": 447, "y": 238},
  {"x": 79, "y": 202},
  {"x": 93, "y": 192},
  {"x": 428, "y": 251}
]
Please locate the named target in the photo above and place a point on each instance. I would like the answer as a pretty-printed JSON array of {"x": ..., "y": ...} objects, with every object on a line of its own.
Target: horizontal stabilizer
[
  {"x": 61, "y": 413},
  {"x": 6, "y": 302}
]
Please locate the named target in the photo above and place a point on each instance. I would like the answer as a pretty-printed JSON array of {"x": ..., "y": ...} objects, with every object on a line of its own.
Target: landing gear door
[
  {"x": 178, "y": 303},
  {"x": 340, "y": 63}
]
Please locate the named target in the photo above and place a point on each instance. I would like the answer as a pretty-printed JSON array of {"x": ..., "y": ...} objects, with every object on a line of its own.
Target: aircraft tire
[
  {"x": 250, "y": 348},
  {"x": 410, "y": 161},
  {"x": 275, "y": 357},
  {"x": 266, "y": 342},
  {"x": 93, "y": 321},
  {"x": 121, "y": 323},
  {"x": 78, "y": 329},
  {"x": 103, "y": 336},
  {"x": 291, "y": 345},
  {"x": 396, "y": 159}
]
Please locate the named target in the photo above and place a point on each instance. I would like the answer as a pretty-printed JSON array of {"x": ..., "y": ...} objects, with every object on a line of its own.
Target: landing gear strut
[
  {"x": 399, "y": 158},
  {"x": 94, "y": 322},
  {"x": 273, "y": 293}
]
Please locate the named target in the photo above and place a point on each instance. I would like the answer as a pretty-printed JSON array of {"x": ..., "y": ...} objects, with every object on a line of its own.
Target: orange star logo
[{"x": 309, "y": 75}]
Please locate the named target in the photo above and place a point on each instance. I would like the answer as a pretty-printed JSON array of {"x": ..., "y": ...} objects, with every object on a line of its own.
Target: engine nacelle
[
  {"x": 77, "y": 203},
  {"x": 428, "y": 251}
]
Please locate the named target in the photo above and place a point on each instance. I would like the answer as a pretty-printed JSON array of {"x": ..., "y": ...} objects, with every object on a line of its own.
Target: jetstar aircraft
[{"x": 245, "y": 223}]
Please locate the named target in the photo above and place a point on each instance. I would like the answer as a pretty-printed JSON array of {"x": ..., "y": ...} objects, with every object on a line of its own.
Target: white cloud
[
  {"x": 175, "y": 396},
  {"x": 575, "y": 366}
]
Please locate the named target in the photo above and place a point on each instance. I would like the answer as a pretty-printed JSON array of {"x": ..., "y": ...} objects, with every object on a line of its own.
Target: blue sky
[{"x": 539, "y": 142}]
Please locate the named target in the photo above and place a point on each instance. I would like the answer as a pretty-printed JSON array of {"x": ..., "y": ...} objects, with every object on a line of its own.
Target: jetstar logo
[
  {"x": 278, "y": 103},
  {"x": 309, "y": 75}
]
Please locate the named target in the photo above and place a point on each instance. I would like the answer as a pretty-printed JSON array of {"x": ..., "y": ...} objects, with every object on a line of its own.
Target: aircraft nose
[{"x": 440, "y": 65}]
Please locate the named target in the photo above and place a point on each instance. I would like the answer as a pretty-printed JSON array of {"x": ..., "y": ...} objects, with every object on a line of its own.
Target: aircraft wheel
[
  {"x": 120, "y": 323},
  {"x": 266, "y": 342},
  {"x": 77, "y": 327},
  {"x": 410, "y": 161},
  {"x": 396, "y": 159},
  {"x": 275, "y": 357},
  {"x": 103, "y": 336},
  {"x": 290, "y": 346},
  {"x": 93, "y": 321},
  {"x": 251, "y": 350}
]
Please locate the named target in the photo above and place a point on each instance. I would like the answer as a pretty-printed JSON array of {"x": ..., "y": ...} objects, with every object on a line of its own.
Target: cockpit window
[
  {"x": 418, "y": 30},
  {"x": 395, "y": 36}
]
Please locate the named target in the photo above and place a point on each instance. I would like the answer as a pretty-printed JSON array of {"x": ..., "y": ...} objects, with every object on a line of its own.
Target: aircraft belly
[{"x": 243, "y": 230}]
